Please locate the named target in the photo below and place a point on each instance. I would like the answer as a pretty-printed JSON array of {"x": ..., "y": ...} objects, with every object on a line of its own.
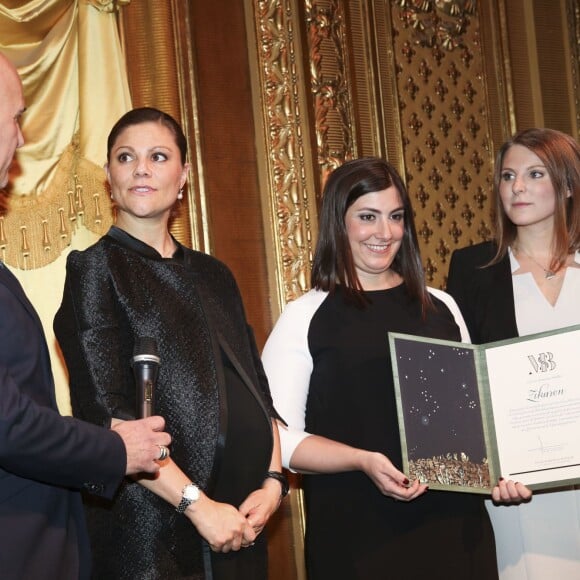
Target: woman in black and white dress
[{"x": 330, "y": 375}]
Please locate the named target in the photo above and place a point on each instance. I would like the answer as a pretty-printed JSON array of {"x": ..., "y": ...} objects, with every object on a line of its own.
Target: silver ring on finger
[{"x": 163, "y": 453}]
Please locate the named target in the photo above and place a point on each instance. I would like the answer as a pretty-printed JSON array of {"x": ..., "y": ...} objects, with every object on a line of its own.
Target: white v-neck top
[
  {"x": 540, "y": 540},
  {"x": 534, "y": 313}
]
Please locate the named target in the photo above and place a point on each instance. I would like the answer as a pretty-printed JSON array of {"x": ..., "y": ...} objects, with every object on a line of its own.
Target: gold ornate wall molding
[
  {"x": 284, "y": 147},
  {"x": 332, "y": 98},
  {"x": 406, "y": 80}
]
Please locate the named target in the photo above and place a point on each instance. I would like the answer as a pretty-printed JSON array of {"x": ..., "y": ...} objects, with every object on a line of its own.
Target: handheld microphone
[{"x": 145, "y": 363}]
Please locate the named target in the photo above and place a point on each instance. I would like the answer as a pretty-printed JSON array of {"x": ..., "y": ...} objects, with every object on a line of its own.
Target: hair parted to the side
[
  {"x": 333, "y": 261},
  {"x": 148, "y": 115},
  {"x": 560, "y": 154}
]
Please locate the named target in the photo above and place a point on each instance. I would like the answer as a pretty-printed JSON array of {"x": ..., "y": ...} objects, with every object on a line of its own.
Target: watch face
[{"x": 191, "y": 492}]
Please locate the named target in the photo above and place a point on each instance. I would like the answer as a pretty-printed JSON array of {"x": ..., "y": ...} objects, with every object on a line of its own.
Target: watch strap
[
  {"x": 185, "y": 501},
  {"x": 279, "y": 476},
  {"x": 183, "y": 505}
]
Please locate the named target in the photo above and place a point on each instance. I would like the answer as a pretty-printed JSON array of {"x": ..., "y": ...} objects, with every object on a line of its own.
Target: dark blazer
[
  {"x": 43, "y": 456},
  {"x": 483, "y": 294}
]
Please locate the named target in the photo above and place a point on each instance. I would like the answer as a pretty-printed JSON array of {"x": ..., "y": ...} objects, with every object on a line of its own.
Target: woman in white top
[{"x": 528, "y": 281}]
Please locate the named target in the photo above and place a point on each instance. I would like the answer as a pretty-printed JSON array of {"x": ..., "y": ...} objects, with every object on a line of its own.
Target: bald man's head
[{"x": 11, "y": 108}]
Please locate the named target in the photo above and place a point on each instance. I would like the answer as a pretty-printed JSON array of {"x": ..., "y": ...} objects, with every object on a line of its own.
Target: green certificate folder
[{"x": 469, "y": 414}]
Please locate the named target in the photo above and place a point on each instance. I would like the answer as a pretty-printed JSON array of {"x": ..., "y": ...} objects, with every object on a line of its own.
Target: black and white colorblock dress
[{"x": 330, "y": 374}]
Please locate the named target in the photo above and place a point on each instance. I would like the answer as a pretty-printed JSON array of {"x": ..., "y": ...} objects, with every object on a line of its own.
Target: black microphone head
[
  {"x": 145, "y": 349},
  {"x": 145, "y": 364}
]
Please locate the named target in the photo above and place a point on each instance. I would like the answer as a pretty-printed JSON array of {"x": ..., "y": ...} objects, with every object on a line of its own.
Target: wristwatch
[
  {"x": 189, "y": 494},
  {"x": 279, "y": 476}
]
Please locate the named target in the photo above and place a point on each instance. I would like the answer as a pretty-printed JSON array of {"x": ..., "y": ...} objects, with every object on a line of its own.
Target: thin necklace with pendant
[{"x": 548, "y": 274}]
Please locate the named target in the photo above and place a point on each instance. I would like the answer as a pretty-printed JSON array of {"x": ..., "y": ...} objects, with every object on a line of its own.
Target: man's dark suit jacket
[
  {"x": 44, "y": 457},
  {"x": 484, "y": 294}
]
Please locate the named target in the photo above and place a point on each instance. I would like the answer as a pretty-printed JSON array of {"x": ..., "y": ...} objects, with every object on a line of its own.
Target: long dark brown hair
[
  {"x": 560, "y": 154},
  {"x": 333, "y": 261}
]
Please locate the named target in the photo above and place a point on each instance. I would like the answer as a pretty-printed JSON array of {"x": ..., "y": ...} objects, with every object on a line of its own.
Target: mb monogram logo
[{"x": 543, "y": 362}]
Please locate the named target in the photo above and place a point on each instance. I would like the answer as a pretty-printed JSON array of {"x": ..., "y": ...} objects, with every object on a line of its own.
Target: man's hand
[{"x": 142, "y": 439}]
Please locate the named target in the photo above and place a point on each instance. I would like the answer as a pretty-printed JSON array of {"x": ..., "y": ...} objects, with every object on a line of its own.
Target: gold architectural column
[
  {"x": 160, "y": 69},
  {"x": 283, "y": 143},
  {"x": 543, "y": 42}
]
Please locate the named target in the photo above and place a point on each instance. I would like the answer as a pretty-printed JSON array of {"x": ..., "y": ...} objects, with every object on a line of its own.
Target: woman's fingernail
[{"x": 405, "y": 481}]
